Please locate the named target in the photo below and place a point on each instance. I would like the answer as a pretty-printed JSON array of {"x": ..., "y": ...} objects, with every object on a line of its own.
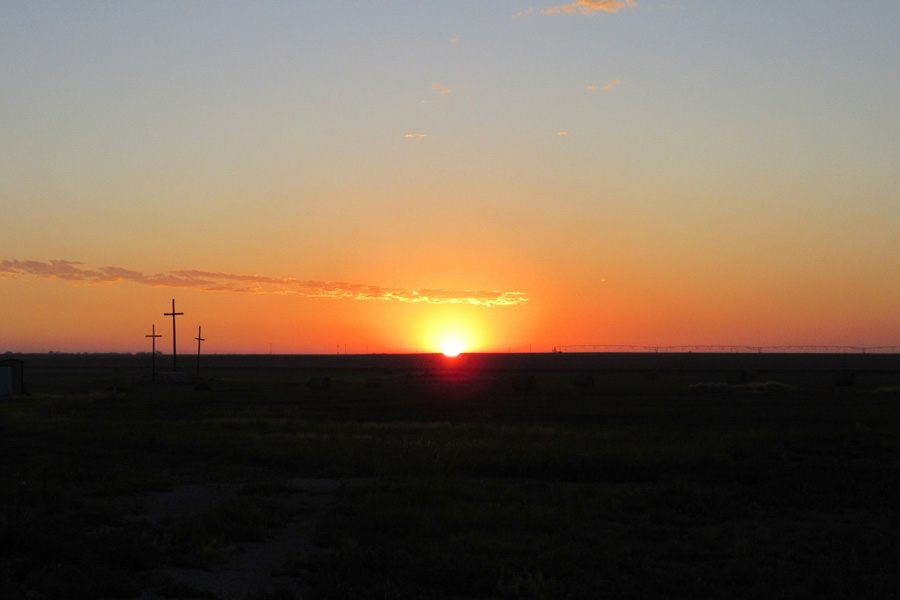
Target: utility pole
[
  {"x": 153, "y": 335},
  {"x": 199, "y": 339},
  {"x": 173, "y": 314}
]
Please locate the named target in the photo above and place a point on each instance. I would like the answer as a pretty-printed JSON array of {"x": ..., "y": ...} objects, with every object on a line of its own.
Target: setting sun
[
  {"x": 452, "y": 330},
  {"x": 452, "y": 348}
]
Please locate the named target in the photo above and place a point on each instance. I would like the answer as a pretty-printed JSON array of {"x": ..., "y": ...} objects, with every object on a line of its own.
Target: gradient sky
[{"x": 386, "y": 176}]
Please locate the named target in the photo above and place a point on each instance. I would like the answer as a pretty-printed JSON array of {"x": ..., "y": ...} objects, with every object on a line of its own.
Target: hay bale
[
  {"x": 737, "y": 377},
  {"x": 584, "y": 380},
  {"x": 655, "y": 374},
  {"x": 844, "y": 378}
]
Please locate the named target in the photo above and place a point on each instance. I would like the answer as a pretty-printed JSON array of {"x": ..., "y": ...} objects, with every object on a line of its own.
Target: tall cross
[
  {"x": 173, "y": 314},
  {"x": 199, "y": 339},
  {"x": 154, "y": 335}
]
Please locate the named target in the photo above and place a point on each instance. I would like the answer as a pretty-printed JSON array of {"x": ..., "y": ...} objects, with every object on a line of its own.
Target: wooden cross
[
  {"x": 154, "y": 335},
  {"x": 173, "y": 314},
  {"x": 199, "y": 339}
]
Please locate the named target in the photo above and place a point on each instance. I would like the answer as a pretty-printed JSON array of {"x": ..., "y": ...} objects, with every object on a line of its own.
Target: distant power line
[{"x": 722, "y": 348}]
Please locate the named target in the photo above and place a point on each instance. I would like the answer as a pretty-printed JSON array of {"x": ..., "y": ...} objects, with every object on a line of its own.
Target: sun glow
[
  {"x": 452, "y": 348},
  {"x": 451, "y": 330}
]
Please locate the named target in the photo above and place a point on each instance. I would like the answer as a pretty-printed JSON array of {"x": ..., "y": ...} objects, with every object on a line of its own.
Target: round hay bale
[
  {"x": 584, "y": 380},
  {"x": 844, "y": 378},
  {"x": 737, "y": 377}
]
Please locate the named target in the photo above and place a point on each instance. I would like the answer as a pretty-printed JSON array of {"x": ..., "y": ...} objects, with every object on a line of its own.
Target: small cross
[
  {"x": 154, "y": 335},
  {"x": 173, "y": 314}
]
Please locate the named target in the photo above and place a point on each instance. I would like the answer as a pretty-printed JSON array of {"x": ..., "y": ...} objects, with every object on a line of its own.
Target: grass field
[{"x": 415, "y": 477}]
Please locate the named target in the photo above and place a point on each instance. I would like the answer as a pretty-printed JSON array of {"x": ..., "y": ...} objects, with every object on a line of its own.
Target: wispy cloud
[
  {"x": 217, "y": 281},
  {"x": 586, "y": 7},
  {"x": 562, "y": 133},
  {"x": 606, "y": 86},
  {"x": 440, "y": 89},
  {"x": 414, "y": 135}
]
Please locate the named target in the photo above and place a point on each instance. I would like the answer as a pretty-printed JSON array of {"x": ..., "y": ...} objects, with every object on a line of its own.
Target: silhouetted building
[{"x": 12, "y": 377}]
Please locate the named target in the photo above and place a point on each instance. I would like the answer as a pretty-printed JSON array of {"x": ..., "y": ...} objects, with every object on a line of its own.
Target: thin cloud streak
[
  {"x": 607, "y": 86},
  {"x": 589, "y": 6},
  {"x": 217, "y": 281}
]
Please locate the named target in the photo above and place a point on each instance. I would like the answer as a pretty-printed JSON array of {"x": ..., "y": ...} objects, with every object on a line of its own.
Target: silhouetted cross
[
  {"x": 199, "y": 339},
  {"x": 154, "y": 335},
  {"x": 173, "y": 314}
]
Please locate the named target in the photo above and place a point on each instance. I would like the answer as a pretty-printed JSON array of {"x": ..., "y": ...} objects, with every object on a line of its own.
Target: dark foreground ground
[{"x": 488, "y": 476}]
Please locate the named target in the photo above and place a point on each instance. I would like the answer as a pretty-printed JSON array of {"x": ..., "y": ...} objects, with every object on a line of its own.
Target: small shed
[{"x": 12, "y": 377}]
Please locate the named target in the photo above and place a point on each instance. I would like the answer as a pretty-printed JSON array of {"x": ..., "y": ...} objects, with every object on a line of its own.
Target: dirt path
[{"x": 250, "y": 570}]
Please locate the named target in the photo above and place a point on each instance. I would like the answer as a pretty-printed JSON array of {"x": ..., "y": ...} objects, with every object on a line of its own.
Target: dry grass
[{"x": 471, "y": 489}]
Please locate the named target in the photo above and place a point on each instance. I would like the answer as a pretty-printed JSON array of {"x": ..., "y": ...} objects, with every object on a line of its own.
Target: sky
[{"x": 315, "y": 177}]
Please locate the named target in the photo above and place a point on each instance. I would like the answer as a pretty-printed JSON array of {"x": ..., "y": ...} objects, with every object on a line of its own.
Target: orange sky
[{"x": 389, "y": 177}]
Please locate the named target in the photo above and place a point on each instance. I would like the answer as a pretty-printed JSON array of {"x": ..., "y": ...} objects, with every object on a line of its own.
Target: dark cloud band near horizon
[{"x": 215, "y": 281}]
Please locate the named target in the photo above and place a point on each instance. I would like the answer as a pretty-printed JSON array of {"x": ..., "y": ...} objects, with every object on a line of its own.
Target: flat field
[{"x": 483, "y": 476}]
